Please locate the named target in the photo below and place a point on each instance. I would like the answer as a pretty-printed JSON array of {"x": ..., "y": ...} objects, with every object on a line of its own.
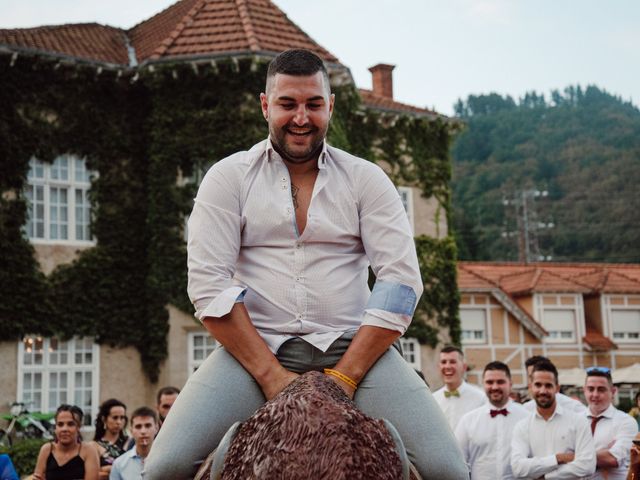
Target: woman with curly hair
[
  {"x": 67, "y": 457},
  {"x": 110, "y": 439}
]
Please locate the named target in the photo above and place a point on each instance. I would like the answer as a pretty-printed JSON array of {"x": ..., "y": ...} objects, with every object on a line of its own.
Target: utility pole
[{"x": 527, "y": 224}]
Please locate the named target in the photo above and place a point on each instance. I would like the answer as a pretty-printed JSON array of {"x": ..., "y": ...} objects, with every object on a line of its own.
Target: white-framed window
[
  {"x": 52, "y": 372},
  {"x": 560, "y": 323},
  {"x": 57, "y": 195},
  {"x": 201, "y": 344},
  {"x": 625, "y": 324},
  {"x": 473, "y": 323},
  {"x": 411, "y": 352},
  {"x": 406, "y": 195}
]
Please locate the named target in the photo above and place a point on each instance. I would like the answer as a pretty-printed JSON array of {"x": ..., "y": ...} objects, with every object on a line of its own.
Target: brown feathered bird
[{"x": 310, "y": 431}]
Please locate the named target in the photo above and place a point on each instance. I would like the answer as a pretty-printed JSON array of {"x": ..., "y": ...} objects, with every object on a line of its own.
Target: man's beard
[
  {"x": 498, "y": 399},
  {"x": 544, "y": 401},
  {"x": 279, "y": 142}
]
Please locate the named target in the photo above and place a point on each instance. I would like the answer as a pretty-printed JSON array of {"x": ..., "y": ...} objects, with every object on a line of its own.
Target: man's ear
[
  {"x": 264, "y": 104},
  {"x": 332, "y": 100}
]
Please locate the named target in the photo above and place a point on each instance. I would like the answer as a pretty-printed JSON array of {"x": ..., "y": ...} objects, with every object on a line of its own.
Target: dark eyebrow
[{"x": 291, "y": 99}]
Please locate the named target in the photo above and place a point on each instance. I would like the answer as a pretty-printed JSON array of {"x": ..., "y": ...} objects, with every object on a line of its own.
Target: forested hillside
[{"x": 562, "y": 173}]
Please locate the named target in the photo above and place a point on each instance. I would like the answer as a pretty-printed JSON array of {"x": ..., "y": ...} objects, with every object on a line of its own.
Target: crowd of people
[
  {"x": 550, "y": 436},
  {"x": 117, "y": 451}
]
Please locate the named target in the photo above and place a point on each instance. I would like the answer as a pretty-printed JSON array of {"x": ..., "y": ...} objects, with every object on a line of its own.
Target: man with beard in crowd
[
  {"x": 551, "y": 442},
  {"x": 484, "y": 434},
  {"x": 567, "y": 402}
]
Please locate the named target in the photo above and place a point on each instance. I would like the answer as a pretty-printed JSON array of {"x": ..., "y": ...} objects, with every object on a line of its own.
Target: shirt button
[
  {"x": 284, "y": 187},
  {"x": 297, "y": 279},
  {"x": 284, "y": 179},
  {"x": 299, "y": 316},
  {"x": 288, "y": 209},
  {"x": 298, "y": 245}
]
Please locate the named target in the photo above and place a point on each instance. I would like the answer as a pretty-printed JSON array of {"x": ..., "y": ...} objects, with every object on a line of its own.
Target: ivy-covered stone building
[{"x": 104, "y": 136}]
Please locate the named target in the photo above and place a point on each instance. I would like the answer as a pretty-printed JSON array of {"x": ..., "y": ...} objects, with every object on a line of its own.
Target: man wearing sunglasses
[{"x": 612, "y": 429}]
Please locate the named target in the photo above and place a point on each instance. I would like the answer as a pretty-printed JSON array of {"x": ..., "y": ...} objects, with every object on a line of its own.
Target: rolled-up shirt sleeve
[
  {"x": 388, "y": 241},
  {"x": 626, "y": 430},
  {"x": 213, "y": 244}
]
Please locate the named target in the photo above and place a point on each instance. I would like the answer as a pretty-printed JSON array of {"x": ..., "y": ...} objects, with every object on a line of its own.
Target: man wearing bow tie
[
  {"x": 551, "y": 442},
  {"x": 484, "y": 434},
  {"x": 457, "y": 397}
]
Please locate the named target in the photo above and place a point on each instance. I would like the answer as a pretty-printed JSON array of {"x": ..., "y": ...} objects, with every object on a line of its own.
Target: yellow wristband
[{"x": 352, "y": 383}]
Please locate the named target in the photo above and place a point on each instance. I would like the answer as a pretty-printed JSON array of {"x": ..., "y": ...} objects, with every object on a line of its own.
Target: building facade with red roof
[{"x": 578, "y": 315}]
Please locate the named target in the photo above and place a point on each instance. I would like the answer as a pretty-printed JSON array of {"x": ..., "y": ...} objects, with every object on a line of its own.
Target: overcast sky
[{"x": 442, "y": 49}]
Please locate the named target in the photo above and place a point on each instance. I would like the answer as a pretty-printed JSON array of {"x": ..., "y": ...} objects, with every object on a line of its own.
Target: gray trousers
[{"x": 222, "y": 392}]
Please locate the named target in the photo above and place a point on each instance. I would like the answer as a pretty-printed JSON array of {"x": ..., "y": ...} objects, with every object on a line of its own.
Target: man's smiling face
[
  {"x": 298, "y": 110},
  {"x": 452, "y": 368}
]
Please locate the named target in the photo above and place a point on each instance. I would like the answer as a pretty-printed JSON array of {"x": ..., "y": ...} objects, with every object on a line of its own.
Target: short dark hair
[
  {"x": 166, "y": 391},
  {"x": 452, "y": 348},
  {"x": 298, "y": 63},
  {"x": 531, "y": 361},
  {"x": 144, "y": 412},
  {"x": 497, "y": 365},
  {"x": 545, "y": 366}
]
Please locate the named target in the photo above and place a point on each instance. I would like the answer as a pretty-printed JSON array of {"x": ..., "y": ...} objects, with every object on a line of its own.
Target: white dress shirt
[
  {"x": 486, "y": 441},
  {"x": 619, "y": 427},
  {"x": 535, "y": 443},
  {"x": 243, "y": 238},
  {"x": 455, "y": 407},
  {"x": 566, "y": 402}
]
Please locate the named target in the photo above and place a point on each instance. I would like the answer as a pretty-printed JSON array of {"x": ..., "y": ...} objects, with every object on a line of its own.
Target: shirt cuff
[
  {"x": 550, "y": 464},
  {"x": 392, "y": 297},
  {"x": 223, "y": 303},
  {"x": 388, "y": 320}
]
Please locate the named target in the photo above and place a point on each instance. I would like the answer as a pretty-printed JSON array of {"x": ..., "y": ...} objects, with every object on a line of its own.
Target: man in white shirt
[
  {"x": 552, "y": 442},
  {"x": 280, "y": 241},
  {"x": 566, "y": 402},
  {"x": 456, "y": 397},
  {"x": 484, "y": 434},
  {"x": 144, "y": 427},
  {"x": 613, "y": 430}
]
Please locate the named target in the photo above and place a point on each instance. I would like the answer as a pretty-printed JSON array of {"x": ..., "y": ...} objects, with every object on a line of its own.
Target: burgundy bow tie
[{"x": 498, "y": 412}]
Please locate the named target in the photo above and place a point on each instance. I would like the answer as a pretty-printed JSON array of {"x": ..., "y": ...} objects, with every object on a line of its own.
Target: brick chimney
[{"x": 382, "y": 80}]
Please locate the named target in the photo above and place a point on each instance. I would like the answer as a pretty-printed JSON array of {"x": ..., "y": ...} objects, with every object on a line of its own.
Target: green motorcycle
[{"x": 26, "y": 424}]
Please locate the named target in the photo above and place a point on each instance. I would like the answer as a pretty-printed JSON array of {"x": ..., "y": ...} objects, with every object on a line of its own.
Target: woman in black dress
[{"x": 67, "y": 457}]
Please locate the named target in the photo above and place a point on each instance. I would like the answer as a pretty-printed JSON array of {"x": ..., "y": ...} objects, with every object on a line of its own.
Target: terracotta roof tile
[
  {"x": 597, "y": 341},
  {"x": 88, "y": 41},
  {"x": 469, "y": 279},
  {"x": 515, "y": 278},
  {"x": 197, "y": 27},
  {"x": 619, "y": 282},
  {"x": 518, "y": 281},
  {"x": 387, "y": 104},
  {"x": 185, "y": 29}
]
